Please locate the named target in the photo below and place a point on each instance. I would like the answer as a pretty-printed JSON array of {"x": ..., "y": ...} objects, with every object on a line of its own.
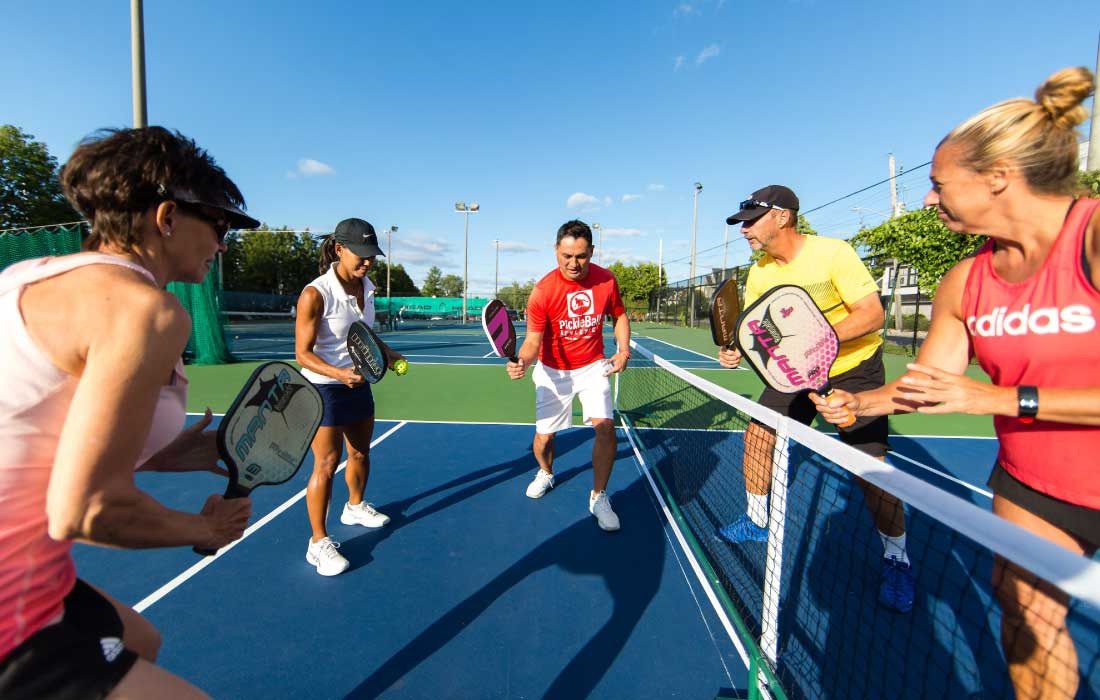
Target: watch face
[{"x": 1027, "y": 401}]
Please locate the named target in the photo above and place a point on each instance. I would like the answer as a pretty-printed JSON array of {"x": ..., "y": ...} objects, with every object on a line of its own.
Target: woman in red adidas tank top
[{"x": 1027, "y": 306}]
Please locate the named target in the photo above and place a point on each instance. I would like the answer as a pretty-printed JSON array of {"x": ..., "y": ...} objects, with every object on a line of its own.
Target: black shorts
[
  {"x": 868, "y": 434},
  {"x": 1079, "y": 521},
  {"x": 344, "y": 405},
  {"x": 81, "y": 657}
]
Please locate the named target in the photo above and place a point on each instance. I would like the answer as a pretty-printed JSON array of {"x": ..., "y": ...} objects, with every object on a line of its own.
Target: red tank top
[{"x": 1043, "y": 332}]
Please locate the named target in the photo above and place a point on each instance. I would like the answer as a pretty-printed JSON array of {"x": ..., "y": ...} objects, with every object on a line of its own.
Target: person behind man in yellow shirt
[{"x": 842, "y": 287}]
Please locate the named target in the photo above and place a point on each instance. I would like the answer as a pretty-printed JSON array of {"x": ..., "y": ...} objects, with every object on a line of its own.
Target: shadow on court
[{"x": 631, "y": 570}]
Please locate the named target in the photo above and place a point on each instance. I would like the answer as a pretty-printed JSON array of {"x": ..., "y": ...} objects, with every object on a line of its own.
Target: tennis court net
[{"x": 803, "y": 604}]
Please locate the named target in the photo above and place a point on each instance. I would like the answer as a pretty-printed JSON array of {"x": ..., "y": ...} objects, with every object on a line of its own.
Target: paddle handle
[
  {"x": 231, "y": 491},
  {"x": 825, "y": 393}
]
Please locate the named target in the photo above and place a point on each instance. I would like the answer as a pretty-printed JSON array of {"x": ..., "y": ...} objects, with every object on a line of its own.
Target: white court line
[
  {"x": 945, "y": 475},
  {"x": 207, "y": 561},
  {"x": 491, "y": 353},
  {"x": 678, "y": 347}
]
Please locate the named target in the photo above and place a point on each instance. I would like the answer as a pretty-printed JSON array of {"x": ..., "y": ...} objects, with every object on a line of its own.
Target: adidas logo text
[{"x": 1049, "y": 320}]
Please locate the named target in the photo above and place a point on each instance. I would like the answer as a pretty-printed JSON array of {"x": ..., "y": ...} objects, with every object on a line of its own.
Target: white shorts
[{"x": 555, "y": 389}]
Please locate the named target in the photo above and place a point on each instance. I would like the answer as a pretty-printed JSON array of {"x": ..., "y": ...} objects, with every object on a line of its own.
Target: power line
[{"x": 826, "y": 204}]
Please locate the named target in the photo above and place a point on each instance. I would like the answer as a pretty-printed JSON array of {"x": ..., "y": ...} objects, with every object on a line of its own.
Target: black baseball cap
[
  {"x": 758, "y": 204},
  {"x": 359, "y": 237},
  {"x": 234, "y": 214}
]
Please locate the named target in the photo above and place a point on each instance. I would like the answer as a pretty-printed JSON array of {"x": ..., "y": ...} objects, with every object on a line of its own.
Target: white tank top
[{"x": 340, "y": 311}]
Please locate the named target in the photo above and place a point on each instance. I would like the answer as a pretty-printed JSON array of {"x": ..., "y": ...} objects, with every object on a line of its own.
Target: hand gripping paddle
[
  {"x": 499, "y": 329},
  {"x": 789, "y": 342},
  {"x": 265, "y": 435}
]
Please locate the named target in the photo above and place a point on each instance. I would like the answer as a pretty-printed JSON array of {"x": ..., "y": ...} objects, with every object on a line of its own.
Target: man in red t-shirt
[{"x": 565, "y": 331}]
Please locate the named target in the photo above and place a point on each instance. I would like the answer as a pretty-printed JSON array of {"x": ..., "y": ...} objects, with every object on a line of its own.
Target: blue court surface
[{"x": 472, "y": 591}]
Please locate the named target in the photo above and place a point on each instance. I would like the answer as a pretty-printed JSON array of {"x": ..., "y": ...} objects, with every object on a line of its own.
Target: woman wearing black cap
[
  {"x": 93, "y": 389},
  {"x": 327, "y": 307}
]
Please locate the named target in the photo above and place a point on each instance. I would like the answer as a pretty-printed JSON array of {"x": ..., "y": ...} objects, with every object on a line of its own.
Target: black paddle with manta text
[{"x": 266, "y": 433}]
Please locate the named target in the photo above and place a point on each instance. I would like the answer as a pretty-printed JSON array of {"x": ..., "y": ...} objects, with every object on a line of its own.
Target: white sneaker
[
  {"x": 363, "y": 514},
  {"x": 543, "y": 482},
  {"x": 324, "y": 556},
  {"x": 600, "y": 506}
]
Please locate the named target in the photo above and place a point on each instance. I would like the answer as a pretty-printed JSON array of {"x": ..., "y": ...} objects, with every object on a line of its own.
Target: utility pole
[
  {"x": 725, "y": 246},
  {"x": 1094, "y": 127},
  {"x": 137, "y": 64},
  {"x": 389, "y": 264},
  {"x": 496, "y": 276},
  {"x": 694, "y": 225},
  {"x": 660, "y": 255},
  {"x": 599, "y": 246},
  {"x": 893, "y": 189}
]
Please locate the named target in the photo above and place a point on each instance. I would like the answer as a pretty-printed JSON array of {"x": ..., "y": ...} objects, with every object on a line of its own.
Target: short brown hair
[
  {"x": 115, "y": 175},
  {"x": 574, "y": 228}
]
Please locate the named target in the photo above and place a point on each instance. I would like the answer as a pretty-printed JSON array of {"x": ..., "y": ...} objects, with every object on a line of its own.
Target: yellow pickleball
[{"x": 400, "y": 367}]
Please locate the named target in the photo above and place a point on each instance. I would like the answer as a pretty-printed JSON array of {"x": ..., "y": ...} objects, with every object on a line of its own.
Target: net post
[{"x": 773, "y": 569}]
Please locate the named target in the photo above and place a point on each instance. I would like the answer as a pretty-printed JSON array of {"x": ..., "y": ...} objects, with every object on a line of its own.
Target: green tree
[
  {"x": 515, "y": 295},
  {"x": 451, "y": 286},
  {"x": 433, "y": 283},
  {"x": 401, "y": 284},
  {"x": 804, "y": 226},
  {"x": 1090, "y": 180},
  {"x": 636, "y": 282},
  {"x": 919, "y": 239},
  {"x": 271, "y": 261},
  {"x": 30, "y": 194}
]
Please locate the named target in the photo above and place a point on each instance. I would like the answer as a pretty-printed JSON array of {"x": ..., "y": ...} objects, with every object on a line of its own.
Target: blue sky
[{"x": 542, "y": 112}]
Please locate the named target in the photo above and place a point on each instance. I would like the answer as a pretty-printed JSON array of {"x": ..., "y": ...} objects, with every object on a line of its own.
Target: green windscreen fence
[{"x": 203, "y": 301}]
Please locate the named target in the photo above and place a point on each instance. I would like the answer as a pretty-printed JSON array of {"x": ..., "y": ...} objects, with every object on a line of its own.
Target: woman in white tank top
[
  {"x": 94, "y": 389},
  {"x": 327, "y": 307}
]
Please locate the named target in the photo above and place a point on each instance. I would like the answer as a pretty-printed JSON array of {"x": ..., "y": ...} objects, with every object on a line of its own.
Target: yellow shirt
[{"x": 834, "y": 276}]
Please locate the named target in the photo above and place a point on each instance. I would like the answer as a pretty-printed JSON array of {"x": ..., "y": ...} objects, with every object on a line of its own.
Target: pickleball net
[{"x": 803, "y": 605}]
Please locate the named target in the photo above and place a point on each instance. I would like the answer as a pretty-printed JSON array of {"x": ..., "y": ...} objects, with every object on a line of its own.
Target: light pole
[
  {"x": 389, "y": 264},
  {"x": 599, "y": 246},
  {"x": 496, "y": 275},
  {"x": 694, "y": 223},
  {"x": 137, "y": 63},
  {"x": 463, "y": 208}
]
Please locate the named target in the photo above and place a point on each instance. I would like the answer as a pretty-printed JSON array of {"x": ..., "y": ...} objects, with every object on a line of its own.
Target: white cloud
[
  {"x": 308, "y": 167},
  {"x": 630, "y": 197},
  {"x": 621, "y": 232},
  {"x": 422, "y": 250},
  {"x": 708, "y": 53},
  {"x": 655, "y": 188},
  {"x": 678, "y": 63},
  {"x": 607, "y": 201},
  {"x": 580, "y": 199},
  {"x": 514, "y": 247},
  {"x": 624, "y": 256},
  {"x": 684, "y": 8}
]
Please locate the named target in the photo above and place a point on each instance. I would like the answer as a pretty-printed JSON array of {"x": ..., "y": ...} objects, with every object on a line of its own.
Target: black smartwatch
[{"x": 1027, "y": 402}]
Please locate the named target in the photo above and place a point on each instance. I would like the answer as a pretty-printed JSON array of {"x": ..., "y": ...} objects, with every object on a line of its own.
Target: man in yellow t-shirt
[{"x": 842, "y": 287}]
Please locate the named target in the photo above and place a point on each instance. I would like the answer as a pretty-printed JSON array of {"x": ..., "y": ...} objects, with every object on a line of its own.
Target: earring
[{"x": 167, "y": 233}]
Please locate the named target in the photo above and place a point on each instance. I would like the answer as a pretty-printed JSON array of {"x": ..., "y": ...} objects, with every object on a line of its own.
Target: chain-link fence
[{"x": 908, "y": 310}]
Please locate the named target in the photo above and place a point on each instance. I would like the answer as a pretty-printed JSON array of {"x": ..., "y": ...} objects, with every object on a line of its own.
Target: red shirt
[
  {"x": 570, "y": 316},
  {"x": 1043, "y": 332}
]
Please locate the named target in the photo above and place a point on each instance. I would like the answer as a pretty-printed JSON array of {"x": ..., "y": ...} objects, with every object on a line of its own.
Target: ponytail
[{"x": 328, "y": 254}]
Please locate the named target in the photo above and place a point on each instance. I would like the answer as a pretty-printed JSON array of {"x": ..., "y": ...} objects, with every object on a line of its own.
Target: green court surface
[{"x": 484, "y": 394}]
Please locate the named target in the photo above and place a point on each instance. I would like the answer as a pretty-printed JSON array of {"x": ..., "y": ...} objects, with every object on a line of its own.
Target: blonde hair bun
[{"x": 1062, "y": 95}]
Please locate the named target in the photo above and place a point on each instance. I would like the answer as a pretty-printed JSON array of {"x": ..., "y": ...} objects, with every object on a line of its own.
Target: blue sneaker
[
  {"x": 743, "y": 530},
  {"x": 898, "y": 582}
]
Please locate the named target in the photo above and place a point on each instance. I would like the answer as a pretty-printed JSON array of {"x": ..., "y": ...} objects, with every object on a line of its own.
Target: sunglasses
[
  {"x": 220, "y": 224},
  {"x": 756, "y": 203}
]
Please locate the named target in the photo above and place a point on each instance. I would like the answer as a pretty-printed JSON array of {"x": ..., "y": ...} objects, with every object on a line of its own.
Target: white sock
[
  {"x": 758, "y": 508},
  {"x": 894, "y": 547}
]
